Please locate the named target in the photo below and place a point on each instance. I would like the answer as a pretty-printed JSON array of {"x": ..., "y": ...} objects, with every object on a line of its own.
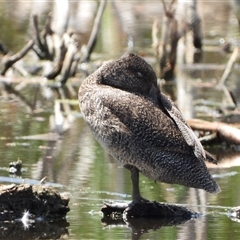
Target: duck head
[{"x": 130, "y": 73}]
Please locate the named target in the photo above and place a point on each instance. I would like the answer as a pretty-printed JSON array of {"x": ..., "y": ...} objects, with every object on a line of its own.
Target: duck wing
[{"x": 189, "y": 136}]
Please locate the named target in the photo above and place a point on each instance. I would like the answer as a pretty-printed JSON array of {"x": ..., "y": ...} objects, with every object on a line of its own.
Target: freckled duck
[{"x": 141, "y": 128}]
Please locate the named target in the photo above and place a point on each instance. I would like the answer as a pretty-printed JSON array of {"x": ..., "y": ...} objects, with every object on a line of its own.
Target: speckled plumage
[{"x": 141, "y": 127}]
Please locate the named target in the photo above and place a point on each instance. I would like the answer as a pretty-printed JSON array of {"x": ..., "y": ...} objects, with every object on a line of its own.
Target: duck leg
[{"x": 136, "y": 195}]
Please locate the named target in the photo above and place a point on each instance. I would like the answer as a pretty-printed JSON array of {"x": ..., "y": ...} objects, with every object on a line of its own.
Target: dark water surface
[{"x": 75, "y": 163}]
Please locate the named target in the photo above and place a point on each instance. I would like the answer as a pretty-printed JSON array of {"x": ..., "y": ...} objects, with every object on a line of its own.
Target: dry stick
[
  {"x": 58, "y": 66},
  {"x": 65, "y": 58},
  {"x": 229, "y": 66},
  {"x": 38, "y": 38},
  {"x": 41, "y": 42},
  {"x": 230, "y": 98},
  {"x": 8, "y": 61},
  {"x": 69, "y": 58},
  {"x": 224, "y": 131},
  {"x": 85, "y": 53},
  {"x": 48, "y": 32},
  {"x": 94, "y": 33},
  {"x": 61, "y": 48},
  {"x": 226, "y": 74}
]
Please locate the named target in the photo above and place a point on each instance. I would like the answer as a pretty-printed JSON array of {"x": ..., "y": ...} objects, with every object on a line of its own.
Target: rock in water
[{"x": 37, "y": 201}]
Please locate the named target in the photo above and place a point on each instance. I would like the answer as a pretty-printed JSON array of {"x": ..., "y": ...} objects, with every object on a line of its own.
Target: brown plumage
[{"x": 141, "y": 128}]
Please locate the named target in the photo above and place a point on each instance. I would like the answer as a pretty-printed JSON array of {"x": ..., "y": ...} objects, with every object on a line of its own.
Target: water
[{"x": 75, "y": 163}]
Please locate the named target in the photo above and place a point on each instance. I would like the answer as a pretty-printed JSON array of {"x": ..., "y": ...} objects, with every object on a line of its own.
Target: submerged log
[
  {"x": 156, "y": 209},
  {"x": 37, "y": 201},
  {"x": 145, "y": 216},
  {"x": 147, "y": 210}
]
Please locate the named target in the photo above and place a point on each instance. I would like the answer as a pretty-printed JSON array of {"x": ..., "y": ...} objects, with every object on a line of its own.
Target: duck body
[{"x": 140, "y": 127}]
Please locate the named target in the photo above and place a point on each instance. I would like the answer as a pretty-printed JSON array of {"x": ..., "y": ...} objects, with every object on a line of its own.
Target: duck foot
[{"x": 147, "y": 209}]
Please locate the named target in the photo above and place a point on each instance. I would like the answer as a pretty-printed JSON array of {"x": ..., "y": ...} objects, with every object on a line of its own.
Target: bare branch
[{"x": 8, "y": 61}]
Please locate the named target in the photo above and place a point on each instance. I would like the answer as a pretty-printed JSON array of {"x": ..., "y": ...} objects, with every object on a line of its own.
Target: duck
[{"x": 142, "y": 128}]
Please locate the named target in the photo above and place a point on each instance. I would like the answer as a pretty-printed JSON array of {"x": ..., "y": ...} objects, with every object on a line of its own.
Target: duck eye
[{"x": 139, "y": 75}]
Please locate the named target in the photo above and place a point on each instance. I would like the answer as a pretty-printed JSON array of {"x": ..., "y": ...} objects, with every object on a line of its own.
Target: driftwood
[
  {"x": 38, "y": 202},
  {"x": 220, "y": 130},
  {"x": 63, "y": 49},
  {"x": 70, "y": 54}
]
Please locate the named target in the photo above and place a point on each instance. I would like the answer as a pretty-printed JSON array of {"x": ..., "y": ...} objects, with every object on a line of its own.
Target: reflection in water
[
  {"x": 77, "y": 161},
  {"x": 141, "y": 226},
  {"x": 82, "y": 168},
  {"x": 40, "y": 230}
]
